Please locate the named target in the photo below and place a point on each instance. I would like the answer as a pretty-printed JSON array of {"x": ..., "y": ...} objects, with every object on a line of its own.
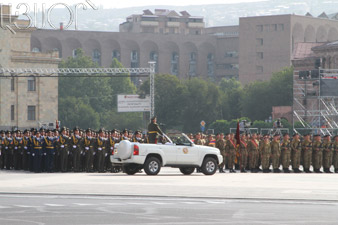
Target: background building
[
  {"x": 25, "y": 102},
  {"x": 266, "y": 43}
]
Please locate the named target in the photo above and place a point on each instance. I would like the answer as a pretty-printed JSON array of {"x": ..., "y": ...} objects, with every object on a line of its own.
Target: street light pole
[{"x": 152, "y": 88}]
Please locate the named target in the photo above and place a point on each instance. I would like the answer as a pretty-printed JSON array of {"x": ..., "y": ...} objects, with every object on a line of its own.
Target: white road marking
[
  {"x": 54, "y": 205},
  {"x": 83, "y": 204},
  {"x": 4, "y": 207}
]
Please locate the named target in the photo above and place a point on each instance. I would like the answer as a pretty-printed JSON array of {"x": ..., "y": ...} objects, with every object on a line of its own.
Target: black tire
[
  {"x": 130, "y": 169},
  {"x": 152, "y": 166},
  {"x": 209, "y": 166},
  {"x": 187, "y": 170}
]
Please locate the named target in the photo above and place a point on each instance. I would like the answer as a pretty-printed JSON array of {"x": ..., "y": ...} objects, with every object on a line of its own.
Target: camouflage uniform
[
  {"x": 307, "y": 155},
  {"x": 296, "y": 151},
  {"x": 253, "y": 146},
  {"x": 327, "y": 155},
  {"x": 275, "y": 157},
  {"x": 220, "y": 144},
  {"x": 286, "y": 155},
  {"x": 265, "y": 151},
  {"x": 335, "y": 156},
  {"x": 317, "y": 149},
  {"x": 231, "y": 152},
  {"x": 243, "y": 152}
]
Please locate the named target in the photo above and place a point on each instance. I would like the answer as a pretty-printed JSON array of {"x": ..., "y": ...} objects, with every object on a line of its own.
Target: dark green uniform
[
  {"x": 100, "y": 147},
  {"x": 265, "y": 151},
  {"x": 153, "y": 131},
  {"x": 230, "y": 150},
  {"x": 220, "y": 144},
  {"x": 243, "y": 155},
  {"x": 75, "y": 145},
  {"x": 253, "y": 146},
  {"x": 88, "y": 146},
  {"x": 286, "y": 154},
  {"x": 63, "y": 147},
  {"x": 275, "y": 155}
]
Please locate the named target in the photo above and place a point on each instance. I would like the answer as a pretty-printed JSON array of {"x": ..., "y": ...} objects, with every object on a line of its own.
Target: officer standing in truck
[{"x": 154, "y": 130}]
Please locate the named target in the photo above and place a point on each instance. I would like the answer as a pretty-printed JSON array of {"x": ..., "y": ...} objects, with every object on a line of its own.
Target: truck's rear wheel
[
  {"x": 209, "y": 166},
  {"x": 152, "y": 166},
  {"x": 187, "y": 170},
  {"x": 130, "y": 169}
]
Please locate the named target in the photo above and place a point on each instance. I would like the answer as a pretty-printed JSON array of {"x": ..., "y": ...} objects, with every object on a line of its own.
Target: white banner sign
[{"x": 133, "y": 103}]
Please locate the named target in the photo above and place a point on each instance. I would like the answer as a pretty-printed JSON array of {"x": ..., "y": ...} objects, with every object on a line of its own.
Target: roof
[
  {"x": 330, "y": 45},
  {"x": 304, "y": 50}
]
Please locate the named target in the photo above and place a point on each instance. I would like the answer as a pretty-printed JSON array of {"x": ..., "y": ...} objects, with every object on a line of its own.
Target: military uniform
[
  {"x": 327, "y": 155},
  {"x": 335, "y": 156},
  {"x": 253, "y": 146},
  {"x": 17, "y": 153},
  {"x": 8, "y": 152},
  {"x": 286, "y": 155},
  {"x": 63, "y": 147},
  {"x": 49, "y": 146},
  {"x": 221, "y": 146},
  {"x": 230, "y": 149},
  {"x": 317, "y": 149},
  {"x": 275, "y": 155},
  {"x": 265, "y": 151},
  {"x": 88, "y": 147},
  {"x": 75, "y": 145},
  {"x": 26, "y": 153},
  {"x": 153, "y": 131},
  {"x": 296, "y": 152},
  {"x": 307, "y": 155},
  {"x": 37, "y": 153},
  {"x": 243, "y": 155},
  {"x": 100, "y": 146}
]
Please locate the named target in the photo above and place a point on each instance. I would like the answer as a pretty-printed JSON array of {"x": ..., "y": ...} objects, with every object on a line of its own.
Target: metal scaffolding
[
  {"x": 86, "y": 72},
  {"x": 315, "y": 101}
]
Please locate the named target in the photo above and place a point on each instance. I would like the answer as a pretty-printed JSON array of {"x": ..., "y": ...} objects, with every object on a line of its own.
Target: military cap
[
  {"x": 125, "y": 130},
  {"x": 316, "y": 135},
  {"x": 101, "y": 130},
  {"x": 285, "y": 134},
  {"x": 41, "y": 129},
  {"x": 76, "y": 128},
  {"x": 25, "y": 131},
  {"x": 2, "y": 132},
  {"x": 276, "y": 135},
  {"x": 63, "y": 129},
  {"x": 295, "y": 134},
  {"x": 335, "y": 136},
  {"x": 153, "y": 118},
  {"x": 137, "y": 132},
  {"x": 327, "y": 135},
  {"x": 113, "y": 130},
  {"x": 32, "y": 129}
]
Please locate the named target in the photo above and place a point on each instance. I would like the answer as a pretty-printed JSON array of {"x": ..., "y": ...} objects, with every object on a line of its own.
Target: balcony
[
  {"x": 149, "y": 23},
  {"x": 196, "y": 25},
  {"x": 173, "y": 24}
]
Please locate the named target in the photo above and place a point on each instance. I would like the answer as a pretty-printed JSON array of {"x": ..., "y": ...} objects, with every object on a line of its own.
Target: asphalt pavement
[{"x": 26, "y": 209}]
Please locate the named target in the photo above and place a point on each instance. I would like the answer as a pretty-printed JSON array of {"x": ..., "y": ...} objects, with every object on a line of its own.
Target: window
[
  {"x": 31, "y": 112},
  {"x": 12, "y": 113},
  {"x": 74, "y": 53},
  {"x": 210, "y": 64},
  {"x": 116, "y": 55},
  {"x": 35, "y": 49},
  {"x": 281, "y": 27},
  {"x": 233, "y": 54},
  {"x": 259, "y": 41},
  {"x": 267, "y": 27},
  {"x": 31, "y": 84},
  {"x": 12, "y": 84},
  {"x": 273, "y": 27},
  {"x": 192, "y": 64},
  {"x": 259, "y": 55},
  {"x": 259, "y": 69},
  {"x": 259, "y": 28},
  {"x": 154, "y": 57},
  {"x": 174, "y": 63},
  {"x": 97, "y": 56},
  {"x": 134, "y": 58}
]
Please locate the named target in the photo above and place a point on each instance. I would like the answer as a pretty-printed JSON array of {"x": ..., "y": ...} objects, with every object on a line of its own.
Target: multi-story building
[
  {"x": 211, "y": 53},
  {"x": 163, "y": 21},
  {"x": 25, "y": 101},
  {"x": 266, "y": 43}
]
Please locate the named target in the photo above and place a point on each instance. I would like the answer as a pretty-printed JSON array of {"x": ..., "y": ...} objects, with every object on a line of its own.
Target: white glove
[{"x": 106, "y": 154}]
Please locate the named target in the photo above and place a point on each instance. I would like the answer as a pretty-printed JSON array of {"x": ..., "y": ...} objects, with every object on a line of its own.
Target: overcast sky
[{"x": 125, "y": 3}]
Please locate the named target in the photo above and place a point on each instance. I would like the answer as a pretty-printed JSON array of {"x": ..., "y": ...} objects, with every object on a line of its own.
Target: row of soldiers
[
  {"x": 61, "y": 151},
  {"x": 261, "y": 152}
]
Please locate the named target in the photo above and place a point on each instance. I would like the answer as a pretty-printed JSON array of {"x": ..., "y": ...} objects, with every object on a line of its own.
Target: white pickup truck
[{"x": 178, "y": 151}]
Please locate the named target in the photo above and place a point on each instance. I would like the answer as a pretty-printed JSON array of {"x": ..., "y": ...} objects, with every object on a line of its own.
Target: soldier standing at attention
[
  {"x": 317, "y": 149},
  {"x": 275, "y": 153},
  {"x": 243, "y": 153},
  {"x": 63, "y": 146},
  {"x": 231, "y": 152},
  {"x": 37, "y": 151},
  {"x": 8, "y": 147},
  {"x": 89, "y": 151},
  {"x": 75, "y": 144},
  {"x": 335, "y": 154},
  {"x": 286, "y": 152},
  {"x": 153, "y": 131},
  {"x": 100, "y": 145},
  {"x": 25, "y": 150},
  {"x": 17, "y": 157},
  {"x": 327, "y": 153},
  {"x": 1, "y": 150},
  {"x": 253, "y": 146},
  {"x": 296, "y": 150},
  {"x": 265, "y": 150},
  {"x": 307, "y": 153},
  {"x": 220, "y": 145}
]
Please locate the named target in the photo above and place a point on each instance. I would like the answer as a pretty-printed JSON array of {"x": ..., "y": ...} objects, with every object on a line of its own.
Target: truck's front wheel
[
  {"x": 152, "y": 166},
  {"x": 209, "y": 166}
]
